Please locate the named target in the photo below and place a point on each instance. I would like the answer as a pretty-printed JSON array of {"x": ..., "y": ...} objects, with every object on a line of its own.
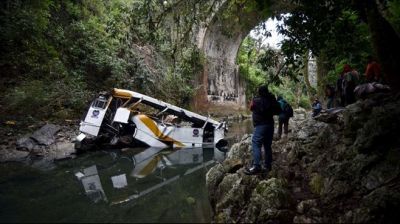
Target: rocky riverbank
[
  {"x": 49, "y": 142},
  {"x": 343, "y": 166}
]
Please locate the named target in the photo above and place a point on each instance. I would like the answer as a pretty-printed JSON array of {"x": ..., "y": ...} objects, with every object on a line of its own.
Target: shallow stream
[{"x": 130, "y": 185}]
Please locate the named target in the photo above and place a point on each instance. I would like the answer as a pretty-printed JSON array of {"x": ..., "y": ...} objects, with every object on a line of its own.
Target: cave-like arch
[{"x": 219, "y": 39}]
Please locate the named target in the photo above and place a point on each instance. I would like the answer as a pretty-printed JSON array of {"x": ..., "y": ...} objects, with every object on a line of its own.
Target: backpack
[
  {"x": 267, "y": 105},
  {"x": 288, "y": 110},
  {"x": 276, "y": 107}
]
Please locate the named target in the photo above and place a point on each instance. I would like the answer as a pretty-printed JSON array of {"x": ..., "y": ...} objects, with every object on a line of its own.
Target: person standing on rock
[
  {"x": 373, "y": 70},
  {"x": 284, "y": 116},
  {"x": 350, "y": 79},
  {"x": 263, "y": 108},
  {"x": 330, "y": 95}
]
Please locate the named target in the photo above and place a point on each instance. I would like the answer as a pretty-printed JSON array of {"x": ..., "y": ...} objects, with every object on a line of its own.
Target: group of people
[
  {"x": 343, "y": 94},
  {"x": 265, "y": 106}
]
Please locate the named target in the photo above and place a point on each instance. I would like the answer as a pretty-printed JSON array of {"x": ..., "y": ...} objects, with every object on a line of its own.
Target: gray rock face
[
  {"x": 345, "y": 169},
  {"x": 25, "y": 143},
  {"x": 219, "y": 37},
  {"x": 270, "y": 201},
  {"x": 47, "y": 143},
  {"x": 45, "y": 135},
  {"x": 8, "y": 154}
]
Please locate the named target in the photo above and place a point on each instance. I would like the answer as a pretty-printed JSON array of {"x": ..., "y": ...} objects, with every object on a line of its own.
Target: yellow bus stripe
[
  {"x": 150, "y": 166},
  {"x": 121, "y": 94},
  {"x": 153, "y": 128}
]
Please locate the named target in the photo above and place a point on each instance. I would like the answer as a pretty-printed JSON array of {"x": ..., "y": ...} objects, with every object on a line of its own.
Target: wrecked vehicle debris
[
  {"x": 157, "y": 167},
  {"x": 91, "y": 183},
  {"x": 118, "y": 118}
]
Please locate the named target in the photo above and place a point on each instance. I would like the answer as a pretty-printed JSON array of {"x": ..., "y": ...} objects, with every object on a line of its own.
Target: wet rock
[
  {"x": 39, "y": 150},
  {"x": 62, "y": 151},
  {"x": 49, "y": 143},
  {"x": 12, "y": 155},
  {"x": 25, "y": 143},
  {"x": 46, "y": 134}
]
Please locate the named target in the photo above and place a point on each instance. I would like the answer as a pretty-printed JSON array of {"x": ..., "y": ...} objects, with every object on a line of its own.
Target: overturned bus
[{"x": 118, "y": 116}]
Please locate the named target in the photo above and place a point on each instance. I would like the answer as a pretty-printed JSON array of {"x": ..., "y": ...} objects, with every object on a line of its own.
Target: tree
[{"x": 341, "y": 30}]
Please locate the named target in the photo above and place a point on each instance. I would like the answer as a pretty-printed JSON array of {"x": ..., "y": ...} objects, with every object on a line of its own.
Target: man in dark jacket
[{"x": 263, "y": 107}]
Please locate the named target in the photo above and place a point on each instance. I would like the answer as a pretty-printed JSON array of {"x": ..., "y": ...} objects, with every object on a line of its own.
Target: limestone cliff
[{"x": 339, "y": 167}]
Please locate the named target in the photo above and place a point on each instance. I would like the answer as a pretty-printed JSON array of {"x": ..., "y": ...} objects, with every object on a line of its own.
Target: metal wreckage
[
  {"x": 172, "y": 135},
  {"x": 143, "y": 173},
  {"x": 118, "y": 117}
]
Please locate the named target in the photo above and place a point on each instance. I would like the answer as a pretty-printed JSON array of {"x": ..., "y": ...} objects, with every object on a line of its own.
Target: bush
[
  {"x": 31, "y": 97},
  {"x": 44, "y": 99}
]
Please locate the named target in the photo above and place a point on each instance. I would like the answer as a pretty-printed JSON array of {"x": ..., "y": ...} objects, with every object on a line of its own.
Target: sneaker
[{"x": 252, "y": 170}]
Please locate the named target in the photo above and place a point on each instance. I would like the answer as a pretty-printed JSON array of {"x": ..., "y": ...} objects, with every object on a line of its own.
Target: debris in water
[{"x": 119, "y": 181}]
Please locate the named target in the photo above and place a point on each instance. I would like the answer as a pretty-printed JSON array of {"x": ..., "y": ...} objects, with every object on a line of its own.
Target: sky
[{"x": 275, "y": 39}]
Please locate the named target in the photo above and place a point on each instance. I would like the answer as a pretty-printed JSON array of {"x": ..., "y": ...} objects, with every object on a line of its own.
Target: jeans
[{"x": 262, "y": 135}]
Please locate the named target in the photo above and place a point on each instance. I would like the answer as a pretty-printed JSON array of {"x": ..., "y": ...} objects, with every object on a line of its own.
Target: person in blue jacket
[{"x": 316, "y": 107}]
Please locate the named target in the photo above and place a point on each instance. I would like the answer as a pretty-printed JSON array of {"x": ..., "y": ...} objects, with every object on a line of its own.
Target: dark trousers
[
  {"x": 349, "y": 96},
  {"x": 285, "y": 124},
  {"x": 330, "y": 102},
  {"x": 262, "y": 136}
]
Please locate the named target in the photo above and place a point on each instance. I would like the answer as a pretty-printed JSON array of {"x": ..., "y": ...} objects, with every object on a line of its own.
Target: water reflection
[
  {"x": 236, "y": 130},
  {"x": 173, "y": 190},
  {"x": 151, "y": 169}
]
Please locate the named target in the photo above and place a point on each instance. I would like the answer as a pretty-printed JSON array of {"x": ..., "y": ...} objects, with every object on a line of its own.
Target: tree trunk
[
  {"x": 386, "y": 43},
  {"x": 306, "y": 80},
  {"x": 322, "y": 72}
]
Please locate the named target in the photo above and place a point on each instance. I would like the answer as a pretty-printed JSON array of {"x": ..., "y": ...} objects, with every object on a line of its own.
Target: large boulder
[
  {"x": 270, "y": 201},
  {"x": 43, "y": 137},
  {"x": 46, "y": 134},
  {"x": 47, "y": 143}
]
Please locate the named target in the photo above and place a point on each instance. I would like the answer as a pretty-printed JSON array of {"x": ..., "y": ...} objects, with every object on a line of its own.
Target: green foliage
[
  {"x": 29, "y": 96},
  {"x": 46, "y": 98},
  {"x": 248, "y": 68},
  {"x": 289, "y": 90},
  {"x": 259, "y": 65},
  {"x": 58, "y": 54},
  {"x": 334, "y": 74},
  {"x": 394, "y": 14}
]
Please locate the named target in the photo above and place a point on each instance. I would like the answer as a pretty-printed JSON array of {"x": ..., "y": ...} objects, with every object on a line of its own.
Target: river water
[{"x": 130, "y": 185}]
